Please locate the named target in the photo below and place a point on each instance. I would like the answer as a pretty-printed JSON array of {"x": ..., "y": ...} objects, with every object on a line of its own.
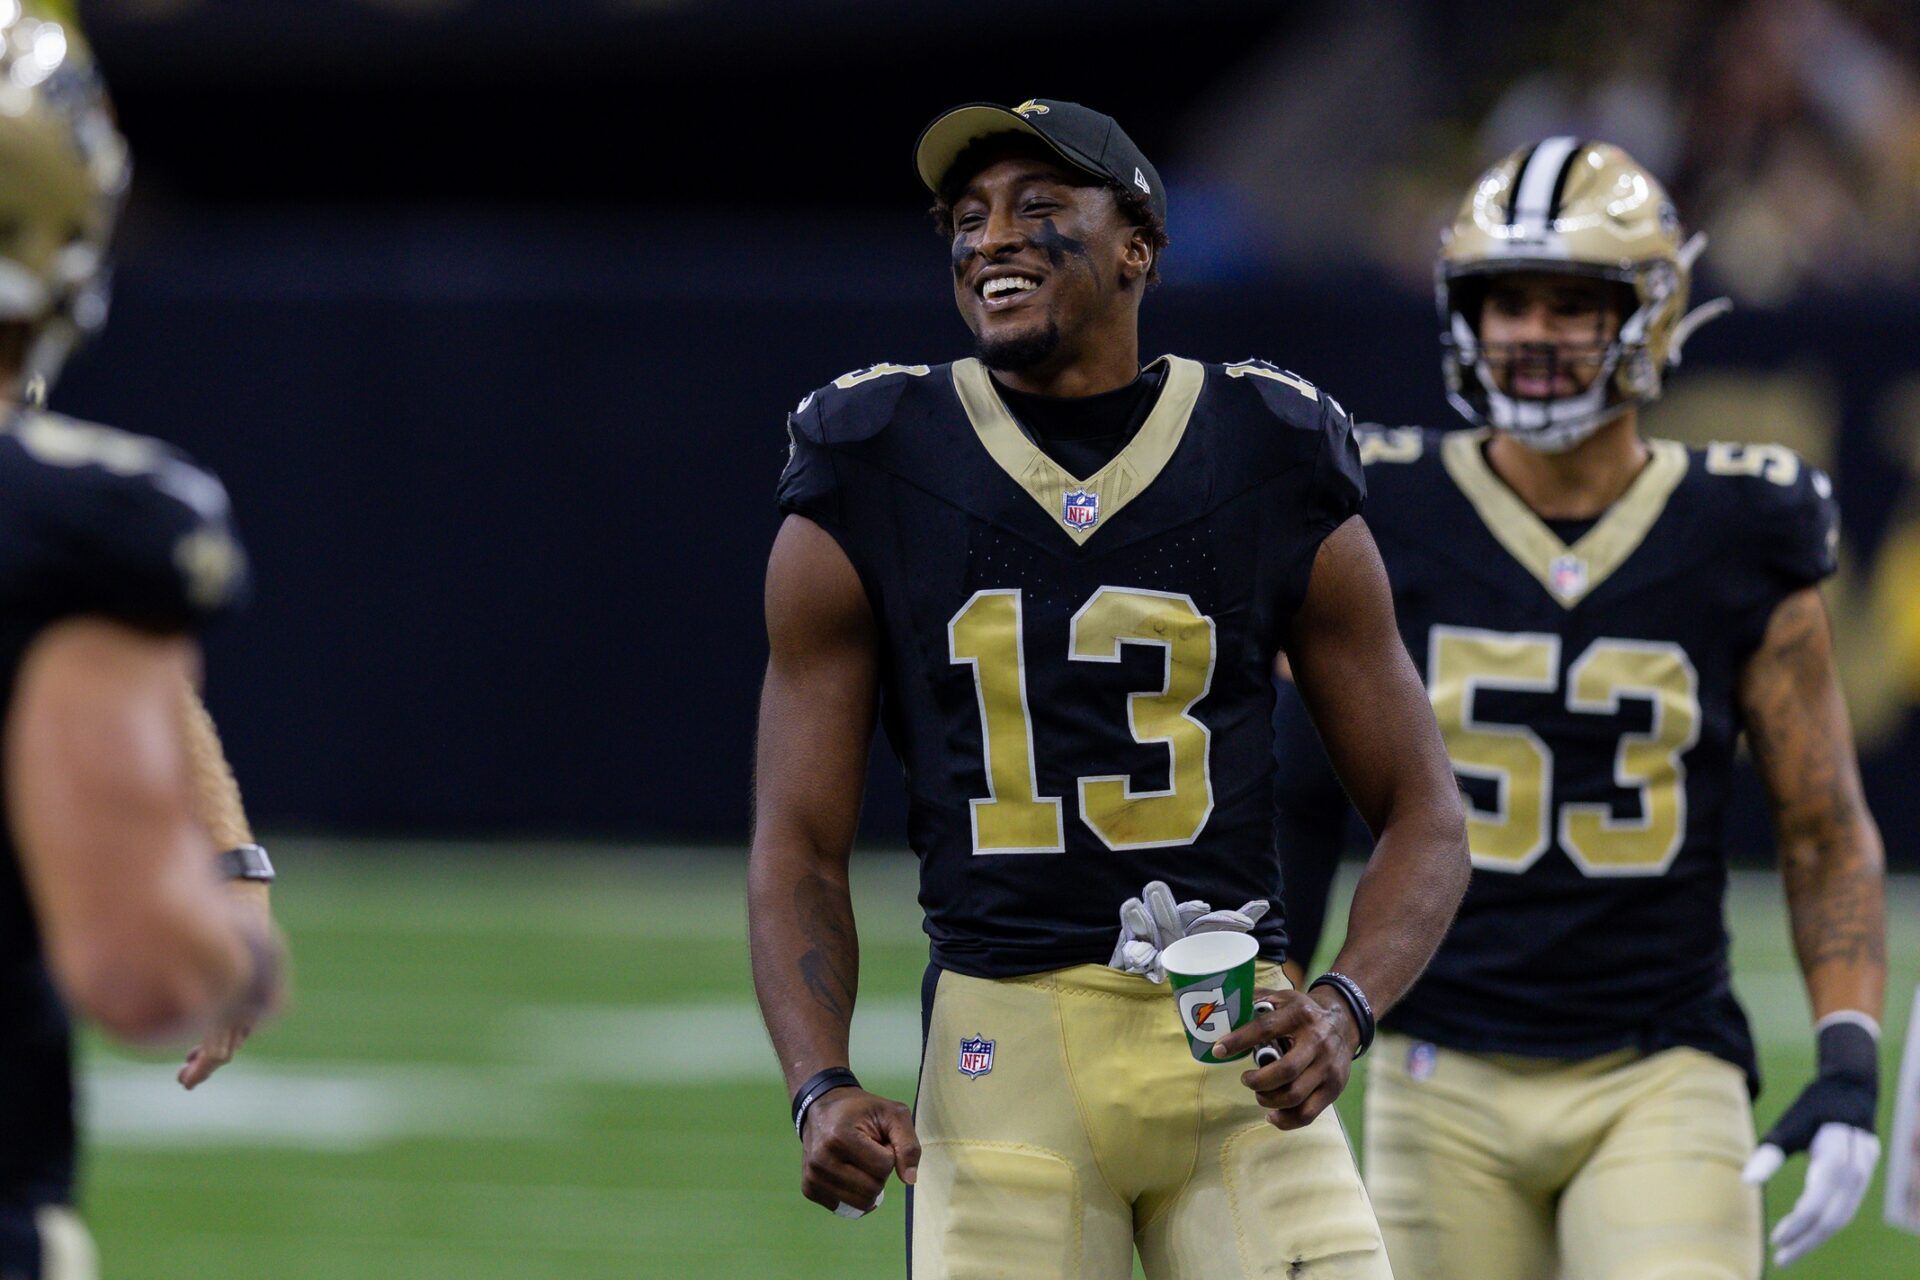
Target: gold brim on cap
[{"x": 942, "y": 141}]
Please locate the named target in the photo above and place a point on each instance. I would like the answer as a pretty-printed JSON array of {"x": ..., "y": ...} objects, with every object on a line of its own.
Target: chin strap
[
  {"x": 1683, "y": 329},
  {"x": 1690, "y": 251}
]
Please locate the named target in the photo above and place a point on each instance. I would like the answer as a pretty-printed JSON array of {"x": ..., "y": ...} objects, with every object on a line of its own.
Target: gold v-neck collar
[
  {"x": 1569, "y": 574},
  {"x": 1096, "y": 500}
]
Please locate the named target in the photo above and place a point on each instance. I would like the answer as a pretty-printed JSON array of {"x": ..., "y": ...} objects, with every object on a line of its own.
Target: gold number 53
[{"x": 1463, "y": 662}]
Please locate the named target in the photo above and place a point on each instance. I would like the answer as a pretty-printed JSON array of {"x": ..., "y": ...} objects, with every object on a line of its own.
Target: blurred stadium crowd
[{"x": 1789, "y": 129}]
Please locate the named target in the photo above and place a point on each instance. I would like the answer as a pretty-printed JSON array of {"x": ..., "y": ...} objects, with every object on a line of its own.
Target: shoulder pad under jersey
[
  {"x": 103, "y": 521},
  {"x": 856, "y": 405},
  {"x": 1781, "y": 509},
  {"x": 1290, "y": 397}
]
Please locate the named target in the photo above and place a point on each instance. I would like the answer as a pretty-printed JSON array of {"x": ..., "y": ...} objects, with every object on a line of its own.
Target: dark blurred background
[{"x": 489, "y": 314}]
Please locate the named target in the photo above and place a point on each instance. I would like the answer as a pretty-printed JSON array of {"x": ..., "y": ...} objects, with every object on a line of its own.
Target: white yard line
[
  {"x": 704, "y": 1043},
  {"x": 543, "y": 1053},
  {"x": 320, "y": 1106}
]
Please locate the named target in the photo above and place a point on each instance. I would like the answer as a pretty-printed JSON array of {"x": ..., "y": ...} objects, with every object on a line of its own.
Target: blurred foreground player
[
  {"x": 113, "y": 551},
  {"x": 1062, "y": 579},
  {"x": 1599, "y": 617}
]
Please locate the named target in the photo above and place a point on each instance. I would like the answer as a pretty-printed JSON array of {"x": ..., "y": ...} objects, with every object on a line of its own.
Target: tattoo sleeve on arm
[
  {"x": 1830, "y": 852},
  {"x": 216, "y": 793},
  {"x": 831, "y": 964}
]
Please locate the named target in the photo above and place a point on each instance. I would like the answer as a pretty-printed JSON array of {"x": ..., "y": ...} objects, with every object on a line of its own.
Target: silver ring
[{"x": 1266, "y": 1055}]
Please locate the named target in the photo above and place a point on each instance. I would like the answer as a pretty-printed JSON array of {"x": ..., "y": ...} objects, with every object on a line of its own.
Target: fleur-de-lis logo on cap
[{"x": 1031, "y": 107}]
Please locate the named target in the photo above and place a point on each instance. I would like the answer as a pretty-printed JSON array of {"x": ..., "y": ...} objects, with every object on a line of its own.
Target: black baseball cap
[{"x": 1093, "y": 143}]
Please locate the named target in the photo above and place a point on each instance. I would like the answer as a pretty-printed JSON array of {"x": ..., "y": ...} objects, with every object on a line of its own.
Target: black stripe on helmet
[
  {"x": 1560, "y": 181},
  {"x": 1513, "y": 192}
]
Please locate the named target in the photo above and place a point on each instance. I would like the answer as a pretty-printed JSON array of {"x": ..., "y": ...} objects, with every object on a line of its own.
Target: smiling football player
[{"x": 1061, "y": 578}]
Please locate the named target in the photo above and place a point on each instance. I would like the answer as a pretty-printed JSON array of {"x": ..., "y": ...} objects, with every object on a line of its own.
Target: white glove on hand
[
  {"x": 1831, "y": 1120},
  {"x": 1839, "y": 1167},
  {"x": 1154, "y": 921}
]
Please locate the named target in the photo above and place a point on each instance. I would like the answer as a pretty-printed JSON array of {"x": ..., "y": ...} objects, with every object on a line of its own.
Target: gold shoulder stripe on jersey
[
  {"x": 848, "y": 381},
  {"x": 1048, "y": 483},
  {"x": 1256, "y": 369},
  {"x": 1569, "y": 574}
]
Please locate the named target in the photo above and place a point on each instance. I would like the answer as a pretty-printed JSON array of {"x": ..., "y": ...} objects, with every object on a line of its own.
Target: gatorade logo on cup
[
  {"x": 1212, "y": 979},
  {"x": 1207, "y": 1013}
]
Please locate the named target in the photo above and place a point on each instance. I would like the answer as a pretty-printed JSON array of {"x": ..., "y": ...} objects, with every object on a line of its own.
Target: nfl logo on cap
[
  {"x": 1080, "y": 509},
  {"x": 976, "y": 1057}
]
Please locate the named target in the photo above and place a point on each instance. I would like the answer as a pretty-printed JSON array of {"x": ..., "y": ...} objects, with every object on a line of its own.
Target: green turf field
[{"x": 538, "y": 1062}]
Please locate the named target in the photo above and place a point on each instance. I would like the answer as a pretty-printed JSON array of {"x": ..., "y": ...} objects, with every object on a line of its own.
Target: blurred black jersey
[
  {"x": 1076, "y": 674},
  {"x": 92, "y": 522},
  {"x": 1589, "y": 699}
]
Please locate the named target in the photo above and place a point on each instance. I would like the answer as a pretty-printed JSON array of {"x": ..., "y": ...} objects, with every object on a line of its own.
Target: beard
[{"x": 1016, "y": 352}]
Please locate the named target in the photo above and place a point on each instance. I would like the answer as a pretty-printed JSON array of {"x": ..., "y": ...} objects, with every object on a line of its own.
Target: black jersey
[
  {"x": 1076, "y": 673},
  {"x": 92, "y": 521},
  {"x": 1589, "y": 698}
]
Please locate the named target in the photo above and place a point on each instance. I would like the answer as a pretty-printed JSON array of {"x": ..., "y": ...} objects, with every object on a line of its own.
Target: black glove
[{"x": 1833, "y": 1116}]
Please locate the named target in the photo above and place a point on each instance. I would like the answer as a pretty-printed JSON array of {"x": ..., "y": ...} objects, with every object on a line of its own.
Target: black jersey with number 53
[
  {"x": 1076, "y": 672},
  {"x": 1589, "y": 696}
]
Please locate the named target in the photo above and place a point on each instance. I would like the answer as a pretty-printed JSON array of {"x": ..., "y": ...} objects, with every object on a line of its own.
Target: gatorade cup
[{"x": 1212, "y": 979}]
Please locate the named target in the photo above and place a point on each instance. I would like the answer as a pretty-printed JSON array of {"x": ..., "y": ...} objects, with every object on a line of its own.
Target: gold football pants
[
  {"x": 1621, "y": 1167},
  {"x": 1094, "y": 1132}
]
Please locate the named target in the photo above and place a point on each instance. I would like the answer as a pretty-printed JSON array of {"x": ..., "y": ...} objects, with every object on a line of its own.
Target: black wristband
[
  {"x": 818, "y": 1085},
  {"x": 1356, "y": 1001},
  {"x": 1848, "y": 1051}
]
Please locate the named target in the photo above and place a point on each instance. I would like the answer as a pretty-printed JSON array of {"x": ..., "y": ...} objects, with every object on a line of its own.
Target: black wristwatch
[{"x": 248, "y": 862}]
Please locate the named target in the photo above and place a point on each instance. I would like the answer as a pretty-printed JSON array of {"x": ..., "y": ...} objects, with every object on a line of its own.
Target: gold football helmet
[
  {"x": 1578, "y": 208},
  {"x": 63, "y": 174}
]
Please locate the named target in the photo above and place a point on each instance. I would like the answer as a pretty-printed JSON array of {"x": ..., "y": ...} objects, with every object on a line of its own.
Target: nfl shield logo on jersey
[
  {"x": 976, "y": 1057},
  {"x": 1081, "y": 509},
  {"x": 1569, "y": 576}
]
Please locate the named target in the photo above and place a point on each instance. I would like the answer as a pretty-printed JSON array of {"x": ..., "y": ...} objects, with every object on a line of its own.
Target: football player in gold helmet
[
  {"x": 1599, "y": 616},
  {"x": 118, "y": 801}
]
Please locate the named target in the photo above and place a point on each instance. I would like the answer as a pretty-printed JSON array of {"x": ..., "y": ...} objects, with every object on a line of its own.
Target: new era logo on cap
[
  {"x": 1140, "y": 181},
  {"x": 1030, "y": 108}
]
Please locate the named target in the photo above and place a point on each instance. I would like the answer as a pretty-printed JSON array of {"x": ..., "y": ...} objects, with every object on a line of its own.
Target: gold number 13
[{"x": 1013, "y": 817}]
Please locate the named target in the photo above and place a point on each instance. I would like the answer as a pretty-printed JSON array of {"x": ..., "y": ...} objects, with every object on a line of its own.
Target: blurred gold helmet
[
  {"x": 1567, "y": 206},
  {"x": 64, "y": 170}
]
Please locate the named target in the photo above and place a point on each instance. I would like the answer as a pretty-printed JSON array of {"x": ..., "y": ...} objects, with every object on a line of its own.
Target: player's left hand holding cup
[
  {"x": 1317, "y": 1039},
  {"x": 852, "y": 1140},
  {"x": 1833, "y": 1120}
]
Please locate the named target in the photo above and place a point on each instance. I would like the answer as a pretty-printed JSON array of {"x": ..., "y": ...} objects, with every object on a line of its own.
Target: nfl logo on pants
[{"x": 976, "y": 1057}]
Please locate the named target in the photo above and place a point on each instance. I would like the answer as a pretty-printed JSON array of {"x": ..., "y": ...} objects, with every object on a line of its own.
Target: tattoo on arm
[
  {"x": 831, "y": 964},
  {"x": 1830, "y": 856}
]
